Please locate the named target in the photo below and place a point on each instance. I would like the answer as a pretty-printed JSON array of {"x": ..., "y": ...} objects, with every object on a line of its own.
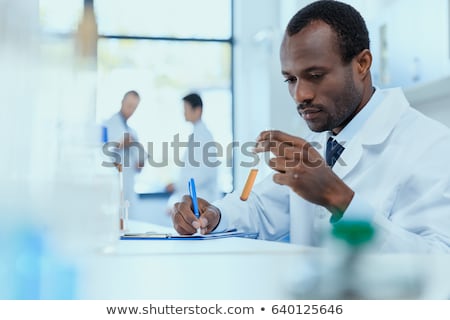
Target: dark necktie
[{"x": 333, "y": 152}]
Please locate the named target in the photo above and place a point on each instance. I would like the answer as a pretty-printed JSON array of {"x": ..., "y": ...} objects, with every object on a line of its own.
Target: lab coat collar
[
  {"x": 198, "y": 123},
  {"x": 122, "y": 117},
  {"x": 383, "y": 120}
]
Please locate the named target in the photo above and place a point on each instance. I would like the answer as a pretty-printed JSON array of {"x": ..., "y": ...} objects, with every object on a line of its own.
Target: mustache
[{"x": 308, "y": 105}]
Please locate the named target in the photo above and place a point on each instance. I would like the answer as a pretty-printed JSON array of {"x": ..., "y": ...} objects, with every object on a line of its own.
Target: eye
[
  {"x": 290, "y": 80},
  {"x": 316, "y": 76}
]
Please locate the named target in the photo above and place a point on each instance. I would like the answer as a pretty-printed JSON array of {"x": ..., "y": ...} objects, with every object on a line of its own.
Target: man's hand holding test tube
[{"x": 299, "y": 166}]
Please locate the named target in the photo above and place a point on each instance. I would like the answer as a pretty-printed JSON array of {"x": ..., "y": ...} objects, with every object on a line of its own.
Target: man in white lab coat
[
  {"x": 196, "y": 163},
  {"x": 370, "y": 156},
  {"x": 130, "y": 155}
]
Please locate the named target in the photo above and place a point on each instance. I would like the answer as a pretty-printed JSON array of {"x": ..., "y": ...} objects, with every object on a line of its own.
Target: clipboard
[{"x": 169, "y": 236}]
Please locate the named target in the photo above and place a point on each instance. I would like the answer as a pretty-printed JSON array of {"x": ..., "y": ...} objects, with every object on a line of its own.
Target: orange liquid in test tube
[{"x": 249, "y": 184}]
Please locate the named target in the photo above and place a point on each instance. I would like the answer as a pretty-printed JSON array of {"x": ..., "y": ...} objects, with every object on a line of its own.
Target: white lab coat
[
  {"x": 202, "y": 169},
  {"x": 398, "y": 167},
  {"x": 117, "y": 127}
]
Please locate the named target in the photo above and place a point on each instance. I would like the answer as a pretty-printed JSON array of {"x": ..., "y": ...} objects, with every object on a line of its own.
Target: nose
[{"x": 302, "y": 93}]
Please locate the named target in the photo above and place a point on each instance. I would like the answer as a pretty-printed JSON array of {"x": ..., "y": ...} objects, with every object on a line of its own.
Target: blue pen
[{"x": 193, "y": 194}]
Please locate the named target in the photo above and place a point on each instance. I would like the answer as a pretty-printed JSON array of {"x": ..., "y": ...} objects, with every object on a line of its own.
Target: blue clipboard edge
[{"x": 166, "y": 236}]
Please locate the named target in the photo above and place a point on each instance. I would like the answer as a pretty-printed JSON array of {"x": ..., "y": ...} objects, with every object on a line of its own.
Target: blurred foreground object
[{"x": 348, "y": 269}]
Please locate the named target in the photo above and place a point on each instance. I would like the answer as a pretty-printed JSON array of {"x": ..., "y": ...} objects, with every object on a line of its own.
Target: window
[
  {"x": 201, "y": 19},
  {"x": 163, "y": 50},
  {"x": 60, "y": 16}
]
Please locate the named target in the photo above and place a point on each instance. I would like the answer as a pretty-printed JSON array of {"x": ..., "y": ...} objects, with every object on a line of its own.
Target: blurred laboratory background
[{"x": 65, "y": 66}]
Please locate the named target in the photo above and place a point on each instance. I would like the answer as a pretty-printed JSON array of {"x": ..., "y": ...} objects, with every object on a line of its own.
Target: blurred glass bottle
[
  {"x": 86, "y": 38},
  {"x": 86, "y": 190},
  {"x": 350, "y": 267},
  {"x": 349, "y": 242}
]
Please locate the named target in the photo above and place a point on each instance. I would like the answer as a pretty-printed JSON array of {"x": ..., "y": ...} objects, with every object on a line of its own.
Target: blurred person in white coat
[
  {"x": 130, "y": 154},
  {"x": 370, "y": 156},
  {"x": 196, "y": 163}
]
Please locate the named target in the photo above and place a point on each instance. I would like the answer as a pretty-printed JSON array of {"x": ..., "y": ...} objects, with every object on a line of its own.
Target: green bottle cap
[{"x": 355, "y": 233}]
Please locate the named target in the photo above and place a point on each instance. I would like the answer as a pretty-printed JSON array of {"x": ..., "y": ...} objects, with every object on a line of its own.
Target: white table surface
[{"x": 231, "y": 268}]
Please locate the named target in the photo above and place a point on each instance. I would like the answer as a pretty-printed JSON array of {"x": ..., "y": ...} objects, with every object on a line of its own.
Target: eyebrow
[{"x": 312, "y": 68}]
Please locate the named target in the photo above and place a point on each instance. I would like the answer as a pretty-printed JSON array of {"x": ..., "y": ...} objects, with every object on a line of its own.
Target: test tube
[{"x": 249, "y": 184}]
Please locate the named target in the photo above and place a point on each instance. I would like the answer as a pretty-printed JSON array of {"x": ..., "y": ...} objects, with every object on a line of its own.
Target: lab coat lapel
[
  {"x": 348, "y": 159},
  {"x": 375, "y": 131}
]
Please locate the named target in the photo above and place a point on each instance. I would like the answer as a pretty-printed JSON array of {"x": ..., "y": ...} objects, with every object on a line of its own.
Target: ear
[{"x": 363, "y": 63}]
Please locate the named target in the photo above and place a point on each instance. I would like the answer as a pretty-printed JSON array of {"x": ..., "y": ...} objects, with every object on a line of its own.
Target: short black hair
[
  {"x": 346, "y": 21},
  {"x": 131, "y": 93},
  {"x": 194, "y": 100}
]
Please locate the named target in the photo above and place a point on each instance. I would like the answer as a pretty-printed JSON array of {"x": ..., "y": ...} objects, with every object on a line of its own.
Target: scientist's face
[
  {"x": 328, "y": 92},
  {"x": 129, "y": 105}
]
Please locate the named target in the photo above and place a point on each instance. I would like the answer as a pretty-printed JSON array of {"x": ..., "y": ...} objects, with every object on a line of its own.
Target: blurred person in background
[
  {"x": 195, "y": 163},
  {"x": 126, "y": 137}
]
